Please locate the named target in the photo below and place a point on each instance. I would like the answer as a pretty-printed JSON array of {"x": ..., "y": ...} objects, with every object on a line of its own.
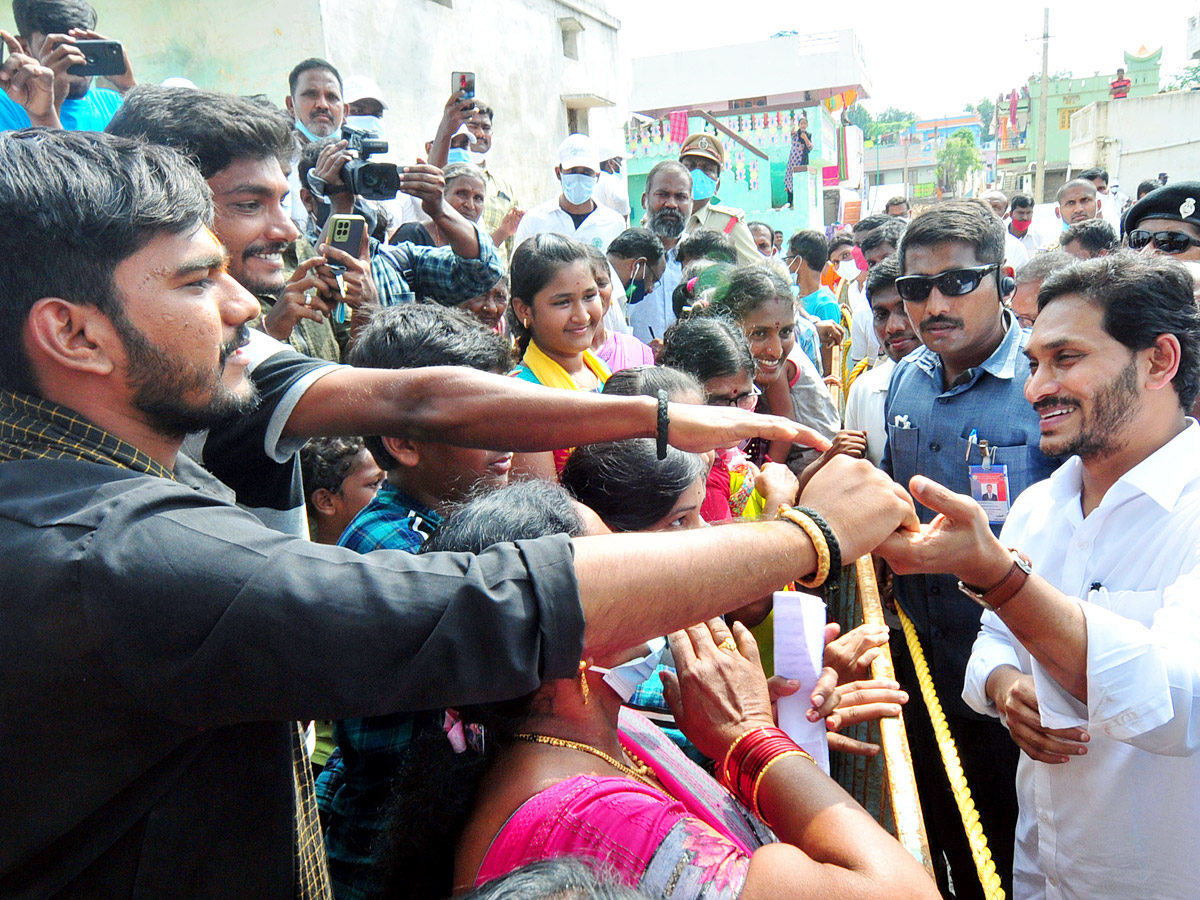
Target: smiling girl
[
  {"x": 760, "y": 301},
  {"x": 554, "y": 313}
]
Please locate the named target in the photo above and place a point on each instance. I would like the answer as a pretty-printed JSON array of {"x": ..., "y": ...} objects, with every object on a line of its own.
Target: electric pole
[{"x": 1039, "y": 174}]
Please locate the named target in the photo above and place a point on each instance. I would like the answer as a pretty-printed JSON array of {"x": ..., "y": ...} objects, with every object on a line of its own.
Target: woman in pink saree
[{"x": 567, "y": 771}]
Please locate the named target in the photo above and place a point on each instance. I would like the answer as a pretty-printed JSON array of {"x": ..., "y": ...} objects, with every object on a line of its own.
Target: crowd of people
[{"x": 439, "y": 560}]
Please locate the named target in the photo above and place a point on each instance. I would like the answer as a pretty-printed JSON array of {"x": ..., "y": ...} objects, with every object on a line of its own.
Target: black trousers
[{"x": 989, "y": 760}]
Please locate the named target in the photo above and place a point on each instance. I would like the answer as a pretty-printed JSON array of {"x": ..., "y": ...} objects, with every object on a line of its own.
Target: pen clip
[
  {"x": 972, "y": 438},
  {"x": 987, "y": 454}
]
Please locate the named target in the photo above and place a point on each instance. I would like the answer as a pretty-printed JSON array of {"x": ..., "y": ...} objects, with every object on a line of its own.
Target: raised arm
[{"x": 469, "y": 408}]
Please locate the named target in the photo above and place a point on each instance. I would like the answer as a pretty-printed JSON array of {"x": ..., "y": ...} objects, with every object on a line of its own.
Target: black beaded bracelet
[
  {"x": 664, "y": 424},
  {"x": 835, "y": 550}
]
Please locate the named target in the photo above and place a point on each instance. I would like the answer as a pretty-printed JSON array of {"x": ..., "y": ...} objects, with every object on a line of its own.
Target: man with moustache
[
  {"x": 668, "y": 204},
  {"x": 1088, "y": 649},
  {"x": 947, "y": 400}
]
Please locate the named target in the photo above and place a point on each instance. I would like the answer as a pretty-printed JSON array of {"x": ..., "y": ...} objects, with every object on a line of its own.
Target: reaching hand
[
  {"x": 863, "y": 701},
  {"x": 698, "y": 429},
  {"x": 716, "y": 694},
  {"x": 508, "y": 225},
  {"x": 851, "y": 654},
  {"x": 861, "y": 504},
  {"x": 958, "y": 541}
]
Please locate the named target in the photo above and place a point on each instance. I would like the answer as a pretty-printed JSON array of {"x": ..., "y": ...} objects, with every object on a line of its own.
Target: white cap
[
  {"x": 359, "y": 87},
  {"x": 578, "y": 151},
  {"x": 612, "y": 150},
  {"x": 178, "y": 81}
]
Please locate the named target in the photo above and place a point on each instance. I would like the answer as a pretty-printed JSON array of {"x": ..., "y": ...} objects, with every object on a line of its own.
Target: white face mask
[
  {"x": 477, "y": 157},
  {"x": 848, "y": 269},
  {"x": 578, "y": 188},
  {"x": 373, "y": 124},
  {"x": 625, "y": 678}
]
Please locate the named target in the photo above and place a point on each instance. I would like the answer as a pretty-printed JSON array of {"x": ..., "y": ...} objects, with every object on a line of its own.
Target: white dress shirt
[
  {"x": 864, "y": 406},
  {"x": 598, "y": 229},
  {"x": 1123, "y": 821}
]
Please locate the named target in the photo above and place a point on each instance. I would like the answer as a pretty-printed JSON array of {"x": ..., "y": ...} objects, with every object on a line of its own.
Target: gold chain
[{"x": 641, "y": 771}]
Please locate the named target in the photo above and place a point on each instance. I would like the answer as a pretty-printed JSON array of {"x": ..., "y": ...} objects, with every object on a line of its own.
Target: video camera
[{"x": 369, "y": 180}]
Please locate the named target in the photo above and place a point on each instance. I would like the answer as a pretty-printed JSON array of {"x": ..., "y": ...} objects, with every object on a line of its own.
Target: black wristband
[
  {"x": 664, "y": 424},
  {"x": 835, "y": 550}
]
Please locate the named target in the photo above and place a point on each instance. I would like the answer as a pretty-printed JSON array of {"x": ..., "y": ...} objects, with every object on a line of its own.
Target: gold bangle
[
  {"x": 809, "y": 527},
  {"x": 762, "y": 773},
  {"x": 732, "y": 747}
]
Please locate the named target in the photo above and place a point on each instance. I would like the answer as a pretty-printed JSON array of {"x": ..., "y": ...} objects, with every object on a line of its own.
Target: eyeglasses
[
  {"x": 952, "y": 283},
  {"x": 746, "y": 401},
  {"x": 1164, "y": 241}
]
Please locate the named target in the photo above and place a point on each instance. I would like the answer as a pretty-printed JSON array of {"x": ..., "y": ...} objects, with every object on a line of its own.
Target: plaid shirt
[
  {"x": 405, "y": 272},
  {"x": 355, "y": 784},
  {"x": 499, "y": 200}
]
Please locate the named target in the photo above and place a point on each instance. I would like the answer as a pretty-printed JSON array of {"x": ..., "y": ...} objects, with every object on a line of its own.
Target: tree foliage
[
  {"x": 986, "y": 110},
  {"x": 1187, "y": 80},
  {"x": 957, "y": 159}
]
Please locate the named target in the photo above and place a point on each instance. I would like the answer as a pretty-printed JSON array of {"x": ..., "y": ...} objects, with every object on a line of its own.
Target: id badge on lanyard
[{"x": 989, "y": 482}]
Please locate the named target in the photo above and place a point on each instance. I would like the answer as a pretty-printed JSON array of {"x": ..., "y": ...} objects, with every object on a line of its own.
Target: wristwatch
[{"x": 997, "y": 595}]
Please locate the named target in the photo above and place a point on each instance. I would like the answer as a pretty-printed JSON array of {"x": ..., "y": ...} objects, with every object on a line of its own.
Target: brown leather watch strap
[{"x": 1009, "y": 585}]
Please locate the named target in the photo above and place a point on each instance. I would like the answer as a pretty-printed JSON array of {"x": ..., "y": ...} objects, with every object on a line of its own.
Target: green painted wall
[
  {"x": 1076, "y": 93},
  {"x": 240, "y": 47},
  {"x": 749, "y": 182}
]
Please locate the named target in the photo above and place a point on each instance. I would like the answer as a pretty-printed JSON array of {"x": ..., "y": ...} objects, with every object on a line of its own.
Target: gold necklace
[{"x": 641, "y": 772}]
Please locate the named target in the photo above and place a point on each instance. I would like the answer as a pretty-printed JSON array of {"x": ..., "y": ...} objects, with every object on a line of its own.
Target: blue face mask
[
  {"x": 625, "y": 678},
  {"x": 458, "y": 155},
  {"x": 578, "y": 188},
  {"x": 308, "y": 134},
  {"x": 703, "y": 187}
]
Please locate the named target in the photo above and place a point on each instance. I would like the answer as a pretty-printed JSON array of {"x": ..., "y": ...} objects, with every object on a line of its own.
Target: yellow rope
[{"x": 954, "y": 771}]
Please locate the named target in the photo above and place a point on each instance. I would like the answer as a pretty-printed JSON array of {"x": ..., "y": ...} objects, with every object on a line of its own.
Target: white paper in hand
[{"x": 799, "y": 654}]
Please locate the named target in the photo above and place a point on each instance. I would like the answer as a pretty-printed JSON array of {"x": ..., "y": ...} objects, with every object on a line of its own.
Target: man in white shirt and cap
[{"x": 575, "y": 213}]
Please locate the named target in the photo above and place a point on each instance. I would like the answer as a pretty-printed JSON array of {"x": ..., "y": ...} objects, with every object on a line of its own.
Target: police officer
[
  {"x": 704, "y": 156},
  {"x": 1166, "y": 221}
]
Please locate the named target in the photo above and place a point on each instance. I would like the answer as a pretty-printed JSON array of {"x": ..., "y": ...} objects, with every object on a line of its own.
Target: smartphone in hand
[
  {"x": 465, "y": 82},
  {"x": 103, "y": 58}
]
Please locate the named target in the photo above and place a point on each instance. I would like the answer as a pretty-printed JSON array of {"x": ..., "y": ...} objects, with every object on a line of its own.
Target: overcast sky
[{"x": 933, "y": 56}]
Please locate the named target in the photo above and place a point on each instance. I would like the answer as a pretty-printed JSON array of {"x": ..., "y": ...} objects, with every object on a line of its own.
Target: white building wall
[
  {"x": 1136, "y": 138},
  {"x": 409, "y": 47},
  {"x": 515, "y": 49},
  {"x": 1193, "y": 37}
]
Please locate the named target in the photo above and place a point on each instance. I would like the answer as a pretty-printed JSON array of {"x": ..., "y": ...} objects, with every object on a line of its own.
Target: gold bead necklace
[{"x": 641, "y": 771}]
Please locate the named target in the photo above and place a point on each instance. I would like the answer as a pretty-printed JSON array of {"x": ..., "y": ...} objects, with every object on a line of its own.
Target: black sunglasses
[
  {"x": 952, "y": 283},
  {"x": 1164, "y": 241}
]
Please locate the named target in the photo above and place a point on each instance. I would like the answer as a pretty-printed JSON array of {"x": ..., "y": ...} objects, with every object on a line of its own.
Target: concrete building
[
  {"x": 546, "y": 66},
  {"x": 1137, "y": 138},
  {"x": 1017, "y": 148},
  {"x": 756, "y": 92},
  {"x": 1193, "y": 37}
]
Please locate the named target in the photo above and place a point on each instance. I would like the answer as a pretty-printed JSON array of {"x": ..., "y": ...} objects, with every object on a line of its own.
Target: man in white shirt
[
  {"x": 1015, "y": 253},
  {"x": 1112, "y": 203},
  {"x": 894, "y": 332},
  {"x": 612, "y": 188},
  {"x": 574, "y": 213},
  {"x": 1093, "y": 660},
  {"x": 1020, "y": 219}
]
